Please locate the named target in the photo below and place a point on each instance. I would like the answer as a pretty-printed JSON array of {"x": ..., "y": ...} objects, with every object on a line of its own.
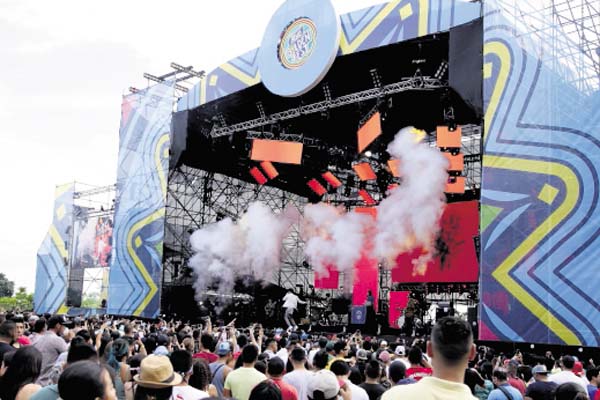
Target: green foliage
[
  {"x": 7, "y": 287},
  {"x": 91, "y": 300},
  {"x": 21, "y": 301}
]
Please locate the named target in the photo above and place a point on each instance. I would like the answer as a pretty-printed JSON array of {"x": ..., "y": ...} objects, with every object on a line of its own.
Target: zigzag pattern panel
[
  {"x": 135, "y": 275},
  {"x": 52, "y": 259},
  {"x": 540, "y": 217},
  {"x": 365, "y": 29}
]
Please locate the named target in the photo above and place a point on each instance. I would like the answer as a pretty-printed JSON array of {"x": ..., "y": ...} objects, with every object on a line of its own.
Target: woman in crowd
[
  {"x": 156, "y": 379},
  {"x": 86, "y": 380},
  {"x": 117, "y": 357},
  {"x": 201, "y": 378},
  {"x": 18, "y": 382}
]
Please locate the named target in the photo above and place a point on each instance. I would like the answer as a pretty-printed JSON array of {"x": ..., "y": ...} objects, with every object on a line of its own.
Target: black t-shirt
[
  {"x": 5, "y": 348},
  {"x": 374, "y": 390},
  {"x": 541, "y": 390}
]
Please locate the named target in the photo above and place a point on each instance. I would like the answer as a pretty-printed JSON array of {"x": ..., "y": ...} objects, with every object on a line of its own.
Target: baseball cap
[
  {"x": 578, "y": 368},
  {"x": 162, "y": 340},
  {"x": 223, "y": 349},
  {"x": 361, "y": 354},
  {"x": 161, "y": 351},
  {"x": 383, "y": 344},
  {"x": 384, "y": 356},
  {"x": 539, "y": 369},
  {"x": 400, "y": 350},
  {"x": 324, "y": 381}
]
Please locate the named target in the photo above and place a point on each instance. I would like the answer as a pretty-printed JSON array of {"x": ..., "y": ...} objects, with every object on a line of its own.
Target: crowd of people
[{"x": 46, "y": 357}]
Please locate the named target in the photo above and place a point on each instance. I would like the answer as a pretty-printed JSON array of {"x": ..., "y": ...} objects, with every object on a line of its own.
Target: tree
[
  {"x": 7, "y": 287},
  {"x": 24, "y": 301}
]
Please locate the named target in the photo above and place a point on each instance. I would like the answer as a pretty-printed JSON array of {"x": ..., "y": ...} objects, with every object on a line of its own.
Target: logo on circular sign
[
  {"x": 298, "y": 41},
  {"x": 299, "y": 46}
]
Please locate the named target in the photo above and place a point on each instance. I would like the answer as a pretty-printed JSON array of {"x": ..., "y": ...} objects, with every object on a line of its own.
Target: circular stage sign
[{"x": 299, "y": 46}]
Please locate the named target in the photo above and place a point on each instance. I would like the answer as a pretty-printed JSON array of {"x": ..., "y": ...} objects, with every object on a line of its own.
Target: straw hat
[{"x": 156, "y": 372}]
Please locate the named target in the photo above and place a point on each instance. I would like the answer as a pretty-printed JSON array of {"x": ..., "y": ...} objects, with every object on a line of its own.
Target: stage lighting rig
[{"x": 376, "y": 78}]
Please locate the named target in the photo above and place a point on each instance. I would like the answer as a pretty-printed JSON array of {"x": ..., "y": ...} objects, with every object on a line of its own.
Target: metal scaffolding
[
  {"x": 564, "y": 34},
  {"x": 196, "y": 198},
  {"x": 87, "y": 285}
]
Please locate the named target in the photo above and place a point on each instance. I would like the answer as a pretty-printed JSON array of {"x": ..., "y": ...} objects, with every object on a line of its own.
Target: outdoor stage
[{"x": 518, "y": 233}]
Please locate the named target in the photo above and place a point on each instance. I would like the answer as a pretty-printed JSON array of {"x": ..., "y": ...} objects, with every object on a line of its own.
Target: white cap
[{"x": 324, "y": 381}]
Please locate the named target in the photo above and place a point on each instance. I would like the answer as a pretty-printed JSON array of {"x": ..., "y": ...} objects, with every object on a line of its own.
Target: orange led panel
[
  {"x": 392, "y": 187},
  {"x": 367, "y": 197},
  {"x": 456, "y": 163},
  {"x": 258, "y": 176},
  {"x": 455, "y": 185},
  {"x": 276, "y": 151},
  {"x": 331, "y": 179},
  {"x": 316, "y": 187},
  {"x": 269, "y": 169},
  {"x": 447, "y": 139},
  {"x": 394, "y": 166},
  {"x": 372, "y": 211},
  {"x": 364, "y": 171},
  {"x": 370, "y": 131}
]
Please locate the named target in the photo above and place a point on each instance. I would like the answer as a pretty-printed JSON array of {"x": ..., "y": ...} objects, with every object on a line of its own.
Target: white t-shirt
[
  {"x": 290, "y": 300},
  {"x": 299, "y": 380},
  {"x": 358, "y": 393},
  {"x": 567, "y": 376},
  {"x": 311, "y": 354},
  {"x": 187, "y": 393},
  {"x": 283, "y": 354}
]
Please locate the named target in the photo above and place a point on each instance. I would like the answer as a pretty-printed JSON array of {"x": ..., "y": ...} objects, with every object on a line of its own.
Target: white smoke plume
[
  {"x": 334, "y": 237},
  {"x": 409, "y": 217},
  {"x": 226, "y": 250}
]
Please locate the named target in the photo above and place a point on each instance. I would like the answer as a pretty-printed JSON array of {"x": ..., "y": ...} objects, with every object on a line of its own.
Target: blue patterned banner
[
  {"x": 52, "y": 257},
  {"x": 540, "y": 217},
  {"x": 136, "y": 270}
]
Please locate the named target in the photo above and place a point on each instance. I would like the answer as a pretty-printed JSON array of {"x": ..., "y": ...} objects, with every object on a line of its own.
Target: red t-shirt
[
  {"x": 288, "y": 392},
  {"x": 517, "y": 384},
  {"x": 209, "y": 357},
  {"x": 418, "y": 373},
  {"x": 24, "y": 341}
]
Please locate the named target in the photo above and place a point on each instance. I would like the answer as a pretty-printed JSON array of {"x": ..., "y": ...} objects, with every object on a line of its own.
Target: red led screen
[
  {"x": 457, "y": 261},
  {"x": 328, "y": 280}
]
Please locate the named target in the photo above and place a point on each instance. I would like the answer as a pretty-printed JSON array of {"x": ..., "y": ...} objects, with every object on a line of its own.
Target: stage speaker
[
  {"x": 359, "y": 315},
  {"x": 465, "y": 63},
  {"x": 179, "y": 129},
  {"x": 340, "y": 305},
  {"x": 444, "y": 309},
  {"x": 473, "y": 320}
]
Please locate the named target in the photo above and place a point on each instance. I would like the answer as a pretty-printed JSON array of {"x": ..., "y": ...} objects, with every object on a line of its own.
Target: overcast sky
[{"x": 64, "y": 66}]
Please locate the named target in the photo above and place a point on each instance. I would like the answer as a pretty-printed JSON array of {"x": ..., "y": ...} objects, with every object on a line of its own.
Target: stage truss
[{"x": 196, "y": 198}]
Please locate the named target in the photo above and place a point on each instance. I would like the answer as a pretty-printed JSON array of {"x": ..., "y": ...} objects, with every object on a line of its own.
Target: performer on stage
[
  {"x": 290, "y": 304},
  {"x": 371, "y": 320}
]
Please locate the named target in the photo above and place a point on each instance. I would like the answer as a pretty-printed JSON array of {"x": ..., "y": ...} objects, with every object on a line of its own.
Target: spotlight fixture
[{"x": 368, "y": 153}]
